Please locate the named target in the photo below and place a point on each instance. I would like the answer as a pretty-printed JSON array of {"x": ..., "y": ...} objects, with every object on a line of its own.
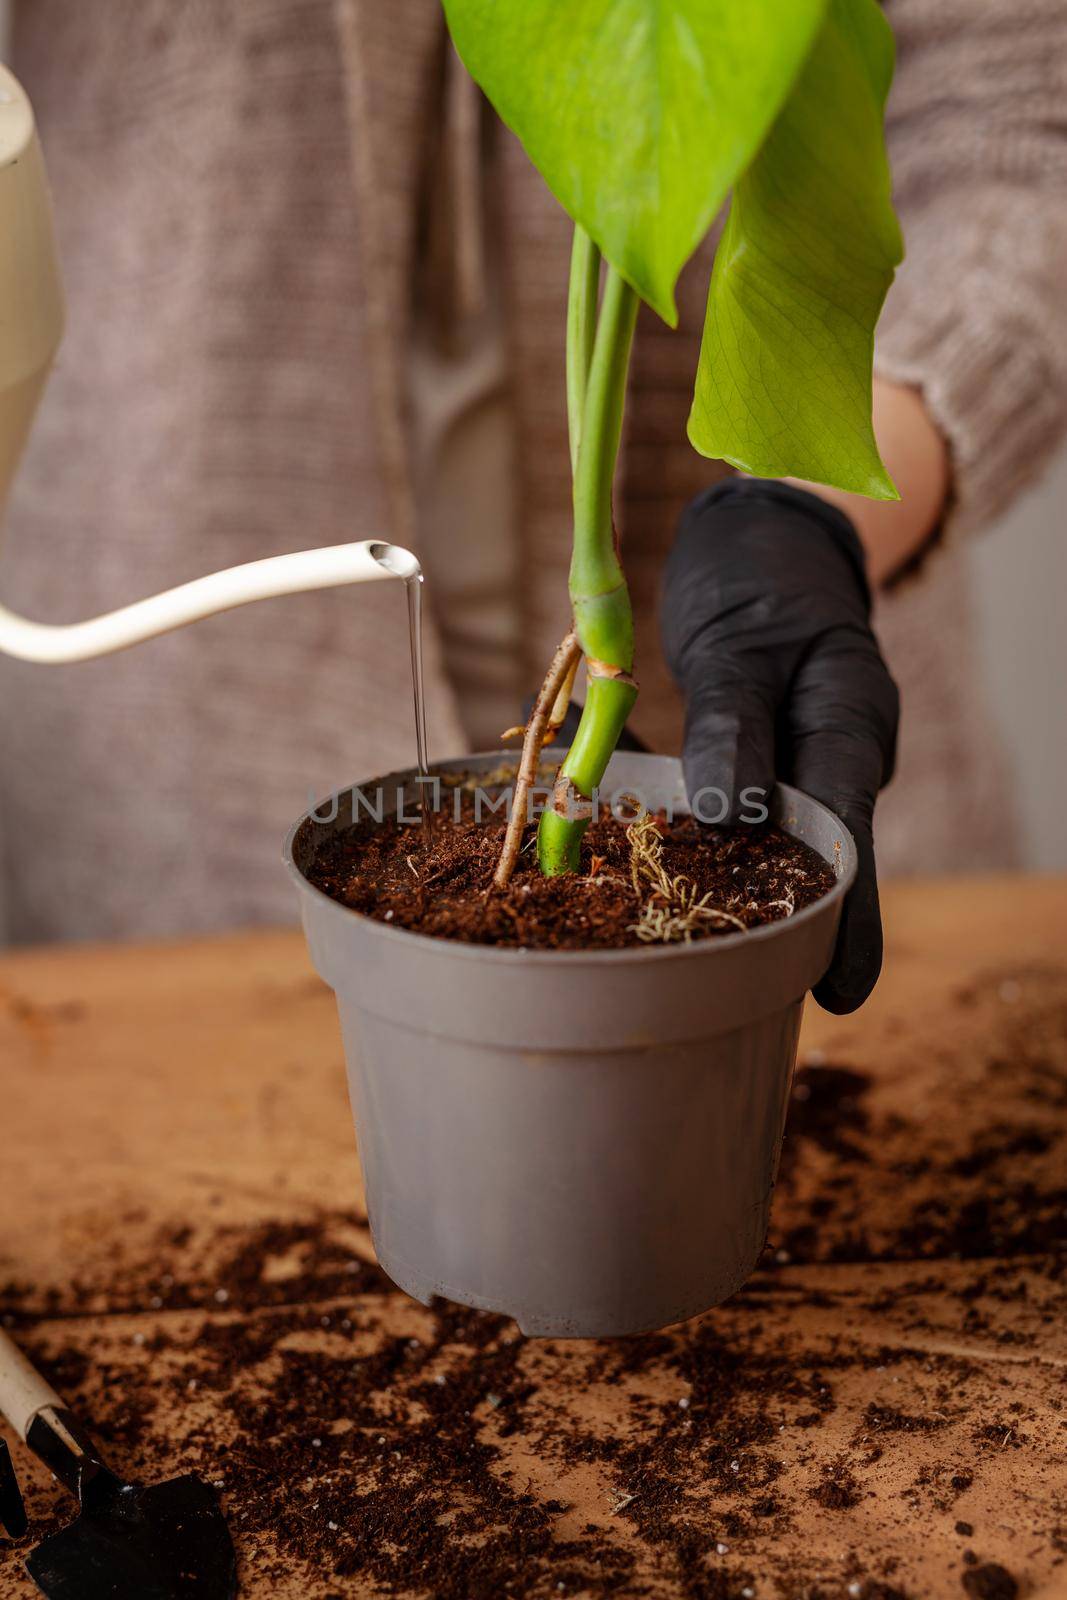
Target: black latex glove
[{"x": 766, "y": 627}]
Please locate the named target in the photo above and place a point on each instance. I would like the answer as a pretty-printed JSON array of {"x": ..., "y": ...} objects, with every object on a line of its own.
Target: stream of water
[
  {"x": 413, "y": 587},
  {"x": 397, "y": 560}
]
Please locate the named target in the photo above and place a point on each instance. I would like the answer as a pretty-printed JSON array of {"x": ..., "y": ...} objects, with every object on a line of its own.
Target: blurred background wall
[{"x": 1019, "y": 573}]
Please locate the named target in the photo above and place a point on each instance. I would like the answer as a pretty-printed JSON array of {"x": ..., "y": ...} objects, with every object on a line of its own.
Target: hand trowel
[{"x": 164, "y": 1541}]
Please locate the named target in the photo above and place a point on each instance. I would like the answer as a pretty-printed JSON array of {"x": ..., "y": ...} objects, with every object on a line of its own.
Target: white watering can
[{"x": 31, "y": 327}]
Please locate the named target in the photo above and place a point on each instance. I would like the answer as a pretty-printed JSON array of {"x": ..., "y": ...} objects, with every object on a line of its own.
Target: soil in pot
[{"x": 654, "y": 882}]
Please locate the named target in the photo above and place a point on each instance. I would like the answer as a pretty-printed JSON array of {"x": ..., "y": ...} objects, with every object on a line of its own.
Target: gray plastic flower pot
[{"x": 585, "y": 1141}]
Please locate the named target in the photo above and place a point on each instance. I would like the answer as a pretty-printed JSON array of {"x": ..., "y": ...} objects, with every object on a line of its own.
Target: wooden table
[{"x": 184, "y": 1252}]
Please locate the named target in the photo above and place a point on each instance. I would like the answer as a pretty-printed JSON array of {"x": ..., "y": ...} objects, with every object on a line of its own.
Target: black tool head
[
  {"x": 165, "y": 1542},
  {"x": 12, "y": 1510}
]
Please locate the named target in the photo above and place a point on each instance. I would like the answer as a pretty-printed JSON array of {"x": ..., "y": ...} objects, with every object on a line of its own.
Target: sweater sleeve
[{"x": 977, "y": 319}]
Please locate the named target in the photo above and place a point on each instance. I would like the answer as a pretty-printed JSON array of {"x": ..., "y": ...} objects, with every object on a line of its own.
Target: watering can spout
[
  {"x": 331, "y": 567},
  {"x": 396, "y": 560}
]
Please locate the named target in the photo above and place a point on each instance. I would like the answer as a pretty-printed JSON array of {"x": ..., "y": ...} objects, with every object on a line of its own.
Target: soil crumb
[
  {"x": 990, "y": 1582},
  {"x": 839, "y": 1489},
  {"x": 440, "y": 883}
]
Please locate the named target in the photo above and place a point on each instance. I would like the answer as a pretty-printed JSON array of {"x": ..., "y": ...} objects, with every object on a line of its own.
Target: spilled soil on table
[{"x": 876, "y": 1415}]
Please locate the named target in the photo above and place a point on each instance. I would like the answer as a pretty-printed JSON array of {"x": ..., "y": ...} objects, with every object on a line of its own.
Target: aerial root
[
  {"x": 672, "y": 913},
  {"x": 564, "y": 664}
]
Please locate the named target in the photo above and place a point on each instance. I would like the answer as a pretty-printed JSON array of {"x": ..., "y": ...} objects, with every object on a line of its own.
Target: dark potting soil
[{"x": 440, "y": 882}]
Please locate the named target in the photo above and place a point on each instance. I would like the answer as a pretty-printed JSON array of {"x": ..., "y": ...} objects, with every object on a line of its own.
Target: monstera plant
[{"x": 646, "y": 118}]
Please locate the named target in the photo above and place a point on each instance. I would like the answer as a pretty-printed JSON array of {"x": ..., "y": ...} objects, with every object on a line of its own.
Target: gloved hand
[{"x": 766, "y": 628}]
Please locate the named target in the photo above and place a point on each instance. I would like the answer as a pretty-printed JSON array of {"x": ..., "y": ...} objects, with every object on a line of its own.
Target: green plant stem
[
  {"x": 600, "y": 600},
  {"x": 582, "y": 297},
  {"x": 581, "y": 332}
]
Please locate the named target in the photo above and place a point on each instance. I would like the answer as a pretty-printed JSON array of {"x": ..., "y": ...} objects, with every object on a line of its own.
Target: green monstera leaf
[
  {"x": 802, "y": 269},
  {"x": 639, "y": 114}
]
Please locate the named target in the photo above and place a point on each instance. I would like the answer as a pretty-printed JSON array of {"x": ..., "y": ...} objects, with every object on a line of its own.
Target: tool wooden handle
[{"x": 23, "y": 1392}]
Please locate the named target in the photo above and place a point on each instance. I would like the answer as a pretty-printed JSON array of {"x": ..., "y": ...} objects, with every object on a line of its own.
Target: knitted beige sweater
[{"x": 259, "y": 307}]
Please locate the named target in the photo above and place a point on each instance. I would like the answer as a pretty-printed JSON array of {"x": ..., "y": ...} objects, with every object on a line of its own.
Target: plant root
[
  {"x": 564, "y": 663},
  {"x": 672, "y": 913},
  {"x": 563, "y": 700},
  {"x": 559, "y": 711}
]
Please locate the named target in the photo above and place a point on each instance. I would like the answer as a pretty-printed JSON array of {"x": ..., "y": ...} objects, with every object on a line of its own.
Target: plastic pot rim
[{"x": 509, "y": 954}]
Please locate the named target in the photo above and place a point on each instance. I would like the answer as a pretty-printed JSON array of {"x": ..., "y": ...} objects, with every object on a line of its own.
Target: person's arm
[
  {"x": 766, "y": 616},
  {"x": 976, "y": 321},
  {"x": 892, "y": 532}
]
